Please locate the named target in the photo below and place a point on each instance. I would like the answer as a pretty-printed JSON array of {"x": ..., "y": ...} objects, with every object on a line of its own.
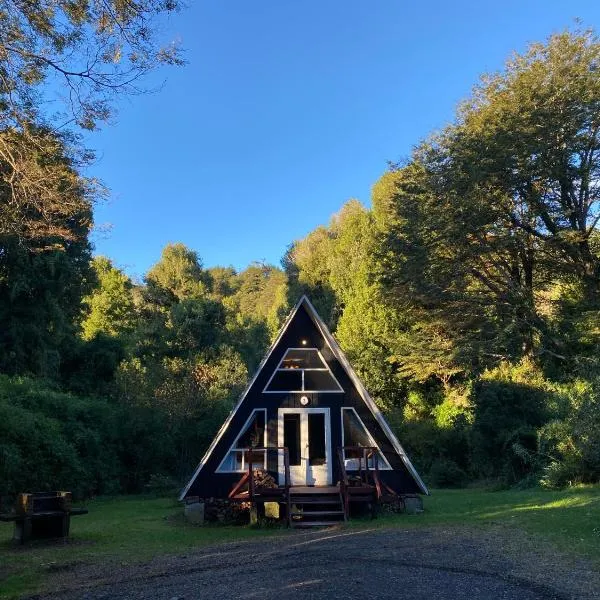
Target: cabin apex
[{"x": 306, "y": 420}]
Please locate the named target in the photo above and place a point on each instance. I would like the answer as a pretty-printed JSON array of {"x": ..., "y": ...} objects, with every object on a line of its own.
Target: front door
[{"x": 306, "y": 433}]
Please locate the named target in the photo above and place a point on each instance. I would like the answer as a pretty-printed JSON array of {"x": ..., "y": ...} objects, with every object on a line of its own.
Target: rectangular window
[
  {"x": 356, "y": 434},
  {"x": 248, "y": 446}
]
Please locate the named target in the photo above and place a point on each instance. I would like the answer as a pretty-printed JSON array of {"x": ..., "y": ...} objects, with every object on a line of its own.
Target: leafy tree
[
  {"x": 528, "y": 138},
  {"x": 178, "y": 274},
  {"x": 42, "y": 281},
  {"x": 90, "y": 50},
  {"x": 486, "y": 217},
  {"x": 223, "y": 281},
  {"x": 255, "y": 311},
  {"x": 110, "y": 306}
]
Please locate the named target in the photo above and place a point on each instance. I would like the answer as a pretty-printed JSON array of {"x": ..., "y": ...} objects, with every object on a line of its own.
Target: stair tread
[
  {"x": 314, "y": 513},
  {"x": 300, "y": 524},
  {"x": 302, "y": 500}
]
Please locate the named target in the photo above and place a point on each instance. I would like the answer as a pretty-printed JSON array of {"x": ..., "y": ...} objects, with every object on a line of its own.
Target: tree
[
  {"x": 528, "y": 140},
  {"x": 93, "y": 50},
  {"x": 42, "y": 282},
  {"x": 178, "y": 274},
  {"x": 488, "y": 216},
  {"x": 255, "y": 311},
  {"x": 110, "y": 306}
]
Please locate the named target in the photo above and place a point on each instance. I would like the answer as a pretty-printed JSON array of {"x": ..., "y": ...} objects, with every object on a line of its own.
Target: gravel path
[{"x": 434, "y": 563}]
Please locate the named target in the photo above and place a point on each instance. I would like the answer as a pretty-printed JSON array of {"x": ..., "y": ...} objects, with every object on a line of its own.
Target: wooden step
[
  {"x": 317, "y": 513},
  {"x": 315, "y": 500},
  {"x": 307, "y": 524}
]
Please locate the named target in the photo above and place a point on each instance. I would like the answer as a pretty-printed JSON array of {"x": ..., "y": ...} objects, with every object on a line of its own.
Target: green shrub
[{"x": 445, "y": 472}]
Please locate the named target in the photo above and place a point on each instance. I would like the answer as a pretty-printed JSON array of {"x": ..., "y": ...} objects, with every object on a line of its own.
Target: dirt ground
[{"x": 433, "y": 563}]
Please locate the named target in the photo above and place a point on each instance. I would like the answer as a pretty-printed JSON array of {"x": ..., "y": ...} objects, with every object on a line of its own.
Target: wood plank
[{"x": 321, "y": 489}]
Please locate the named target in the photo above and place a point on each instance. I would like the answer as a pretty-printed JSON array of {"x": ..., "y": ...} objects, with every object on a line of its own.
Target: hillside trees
[
  {"x": 486, "y": 246},
  {"x": 110, "y": 307},
  {"x": 490, "y": 216}
]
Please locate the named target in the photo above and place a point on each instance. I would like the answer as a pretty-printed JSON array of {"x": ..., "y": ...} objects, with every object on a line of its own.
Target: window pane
[
  {"x": 291, "y": 436},
  {"x": 254, "y": 434},
  {"x": 316, "y": 439},
  {"x": 302, "y": 359},
  {"x": 355, "y": 434},
  {"x": 285, "y": 381},
  {"x": 320, "y": 381}
]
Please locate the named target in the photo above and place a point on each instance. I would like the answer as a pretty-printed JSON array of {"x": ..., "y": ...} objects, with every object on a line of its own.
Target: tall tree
[
  {"x": 42, "y": 282},
  {"x": 489, "y": 215}
]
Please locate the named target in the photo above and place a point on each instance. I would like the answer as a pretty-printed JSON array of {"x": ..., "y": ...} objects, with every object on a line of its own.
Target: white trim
[
  {"x": 337, "y": 352},
  {"x": 304, "y": 439},
  {"x": 234, "y": 447},
  {"x": 387, "y": 466},
  {"x": 326, "y": 369}
]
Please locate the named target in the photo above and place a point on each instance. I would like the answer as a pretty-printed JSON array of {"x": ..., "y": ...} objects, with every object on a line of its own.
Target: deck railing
[
  {"x": 369, "y": 476},
  {"x": 248, "y": 477}
]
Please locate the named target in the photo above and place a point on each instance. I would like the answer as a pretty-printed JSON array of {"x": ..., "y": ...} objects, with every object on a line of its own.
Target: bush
[
  {"x": 446, "y": 473},
  {"x": 572, "y": 444},
  {"x": 53, "y": 440}
]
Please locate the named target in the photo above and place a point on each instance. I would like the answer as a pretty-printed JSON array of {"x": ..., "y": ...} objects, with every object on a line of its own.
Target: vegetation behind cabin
[{"x": 467, "y": 298}]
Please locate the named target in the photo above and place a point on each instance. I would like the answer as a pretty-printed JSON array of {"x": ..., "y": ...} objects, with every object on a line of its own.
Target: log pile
[
  {"x": 262, "y": 479},
  {"x": 221, "y": 510}
]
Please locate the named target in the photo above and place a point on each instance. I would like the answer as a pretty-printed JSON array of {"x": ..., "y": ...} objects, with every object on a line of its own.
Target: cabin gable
[{"x": 320, "y": 391}]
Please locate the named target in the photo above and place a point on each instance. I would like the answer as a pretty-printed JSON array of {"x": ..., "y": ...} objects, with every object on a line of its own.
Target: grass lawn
[
  {"x": 569, "y": 519},
  {"x": 136, "y": 528}
]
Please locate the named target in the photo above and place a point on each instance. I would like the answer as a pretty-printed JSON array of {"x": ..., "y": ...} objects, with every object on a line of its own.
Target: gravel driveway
[{"x": 432, "y": 563}]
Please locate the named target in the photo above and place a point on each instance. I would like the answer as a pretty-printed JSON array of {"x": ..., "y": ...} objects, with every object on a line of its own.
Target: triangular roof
[{"x": 341, "y": 357}]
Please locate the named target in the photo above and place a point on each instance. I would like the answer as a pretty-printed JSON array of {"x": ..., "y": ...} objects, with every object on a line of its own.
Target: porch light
[
  {"x": 304, "y": 342},
  {"x": 304, "y": 400}
]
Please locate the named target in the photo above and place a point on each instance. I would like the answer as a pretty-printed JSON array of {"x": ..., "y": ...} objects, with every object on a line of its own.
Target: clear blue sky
[{"x": 287, "y": 109}]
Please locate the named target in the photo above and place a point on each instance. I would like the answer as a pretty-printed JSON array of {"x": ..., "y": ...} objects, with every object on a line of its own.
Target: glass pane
[
  {"x": 302, "y": 359},
  {"x": 236, "y": 460},
  {"x": 355, "y": 434},
  {"x": 320, "y": 381},
  {"x": 316, "y": 439},
  {"x": 254, "y": 434},
  {"x": 285, "y": 381},
  {"x": 291, "y": 436}
]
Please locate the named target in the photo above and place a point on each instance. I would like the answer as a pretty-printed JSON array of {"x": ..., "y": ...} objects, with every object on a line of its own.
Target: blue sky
[{"x": 288, "y": 109}]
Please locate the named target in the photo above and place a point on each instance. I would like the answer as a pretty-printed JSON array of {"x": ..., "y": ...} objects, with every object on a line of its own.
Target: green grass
[
  {"x": 126, "y": 529},
  {"x": 570, "y": 519},
  {"x": 136, "y": 528}
]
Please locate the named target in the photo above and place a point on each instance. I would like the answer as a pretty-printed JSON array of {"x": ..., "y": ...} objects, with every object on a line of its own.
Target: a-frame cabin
[{"x": 307, "y": 420}]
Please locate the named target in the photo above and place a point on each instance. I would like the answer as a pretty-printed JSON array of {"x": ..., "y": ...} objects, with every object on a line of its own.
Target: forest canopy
[{"x": 467, "y": 296}]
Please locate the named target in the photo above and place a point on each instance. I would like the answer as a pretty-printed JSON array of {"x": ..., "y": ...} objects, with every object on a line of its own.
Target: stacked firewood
[
  {"x": 262, "y": 479},
  {"x": 221, "y": 510}
]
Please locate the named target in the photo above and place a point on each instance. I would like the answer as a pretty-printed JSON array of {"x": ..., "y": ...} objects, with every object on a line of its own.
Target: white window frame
[
  {"x": 278, "y": 369},
  {"x": 234, "y": 448},
  {"x": 382, "y": 467}
]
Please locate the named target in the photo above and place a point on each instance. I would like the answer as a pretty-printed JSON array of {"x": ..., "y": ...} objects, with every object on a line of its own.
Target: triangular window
[
  {"x": 302, "y": 370},
  {"x": 356, "y": 437},
  {"x": 249, "y": 445}
]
